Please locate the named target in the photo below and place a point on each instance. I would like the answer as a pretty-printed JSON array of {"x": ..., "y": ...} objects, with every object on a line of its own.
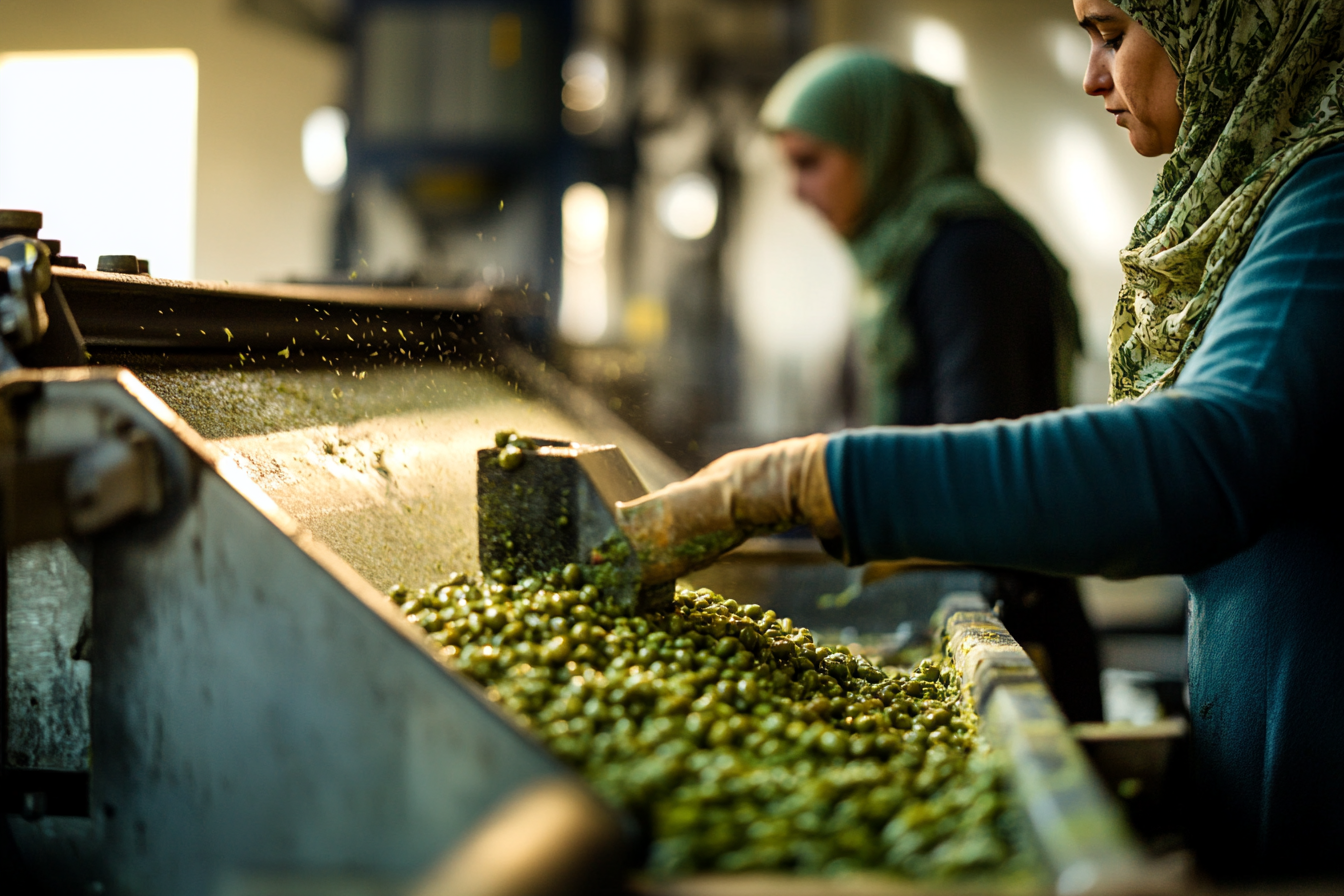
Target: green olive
[
  {"x": 836, "y": 667},
  {"x": 938, "y": 718},
  {"x": 748, "y": 691},
  {"x": 746, "y": 743},
  {"x": 520, "y": 441},
  {"x": 861, "y": 746},
  {"x": 510, "y": 457},
  {"x": 727, "y": 646}
]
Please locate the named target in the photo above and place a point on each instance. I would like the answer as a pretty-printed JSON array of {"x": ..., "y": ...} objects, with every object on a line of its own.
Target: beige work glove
[{"x": 756, "y": 491}]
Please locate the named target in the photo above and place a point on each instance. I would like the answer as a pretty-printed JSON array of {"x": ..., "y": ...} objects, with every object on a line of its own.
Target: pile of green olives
[{"x": 745, "y": 744}]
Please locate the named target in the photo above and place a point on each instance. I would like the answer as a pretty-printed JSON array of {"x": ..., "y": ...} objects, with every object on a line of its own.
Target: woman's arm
[{"x": 1170, "y": 484}]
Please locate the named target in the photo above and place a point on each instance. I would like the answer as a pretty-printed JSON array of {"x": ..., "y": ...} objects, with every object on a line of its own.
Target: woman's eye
[{"x": 1114, "y": 42}]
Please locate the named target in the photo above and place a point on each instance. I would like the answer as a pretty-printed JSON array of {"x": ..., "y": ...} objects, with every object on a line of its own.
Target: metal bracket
[
  {"x": 553, "y": 503},
  {"x": 71, "y": 464},
  {"x": 25, "y": 273},
  {"x": 74, "y": 460},
  {"x": 1079, "y": 829}
]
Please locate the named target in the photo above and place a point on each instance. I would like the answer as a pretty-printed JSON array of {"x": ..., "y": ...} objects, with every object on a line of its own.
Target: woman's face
[
  {"x": 1131, "y": 72},
  {"x": 826, "y": 177}
]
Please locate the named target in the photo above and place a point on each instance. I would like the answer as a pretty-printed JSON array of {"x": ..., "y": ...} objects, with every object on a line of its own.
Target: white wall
[
  {"x": 791, "y": 282},
  {"x": 92, "y": 192},
  {"x": 257, "y": 216}
]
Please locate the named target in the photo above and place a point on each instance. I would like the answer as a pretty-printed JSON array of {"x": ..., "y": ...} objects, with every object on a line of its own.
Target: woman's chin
[{"x": 1145, "y": 144}]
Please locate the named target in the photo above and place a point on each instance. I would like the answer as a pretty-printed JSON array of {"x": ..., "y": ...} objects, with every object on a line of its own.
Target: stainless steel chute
[
  {"x": 254, "y": 702},
  {"x": 239, "y": 698}
]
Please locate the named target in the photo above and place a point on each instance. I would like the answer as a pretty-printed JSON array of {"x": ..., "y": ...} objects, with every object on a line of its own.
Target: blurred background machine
[
  {"x": 589, "y": 153},
  {"x": 454, "y": 131}
]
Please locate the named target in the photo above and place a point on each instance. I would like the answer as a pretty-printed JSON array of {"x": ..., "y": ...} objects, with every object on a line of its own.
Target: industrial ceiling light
[
  {"x": 583, "y": 215},
  {"x": 939, "y": 50},
  {"x": 688, "y": 206},
  {"x": 324, "y": 156},
  {"x": 584, "y": 313},
  {"x": 586, "y": 81},
  {"x": 587, "y": 86}
]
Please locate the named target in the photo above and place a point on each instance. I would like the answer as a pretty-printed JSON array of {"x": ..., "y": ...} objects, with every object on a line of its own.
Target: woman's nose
[{"x": 1097, "y": 78}]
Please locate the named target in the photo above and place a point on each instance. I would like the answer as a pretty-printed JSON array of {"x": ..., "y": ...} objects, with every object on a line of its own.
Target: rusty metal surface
[
  {"x": 130, "y": 312},
  {"x": 49, "y": 602},
  {"x": 84, "y": 282},
  {"x": 385, "y": 473}
]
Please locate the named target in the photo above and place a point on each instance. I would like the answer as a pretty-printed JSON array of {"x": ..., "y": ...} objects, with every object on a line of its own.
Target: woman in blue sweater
[{"x": 1216, "y": 458}]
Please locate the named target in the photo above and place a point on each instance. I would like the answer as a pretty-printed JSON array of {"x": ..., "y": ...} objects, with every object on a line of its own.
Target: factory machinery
[{"x": 207, "y": 490}]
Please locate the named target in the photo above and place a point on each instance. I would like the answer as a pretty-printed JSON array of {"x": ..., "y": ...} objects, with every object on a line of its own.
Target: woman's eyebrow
[{"x": 1094, "y": 20}]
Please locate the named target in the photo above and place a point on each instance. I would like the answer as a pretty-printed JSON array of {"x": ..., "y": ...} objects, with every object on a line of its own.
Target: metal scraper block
[{"x": 556, "y": 505}]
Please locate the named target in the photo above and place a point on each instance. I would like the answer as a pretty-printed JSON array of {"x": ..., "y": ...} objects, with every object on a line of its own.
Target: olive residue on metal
[
  {"x": 529, "y": 492},
  {"x": 746, "y": 744},
  {"x": 607, "y": 568},
  {"x": 403, "y": 502},
  {"x": 224, "y": 403},
  {"x": 709, "y": 545}
]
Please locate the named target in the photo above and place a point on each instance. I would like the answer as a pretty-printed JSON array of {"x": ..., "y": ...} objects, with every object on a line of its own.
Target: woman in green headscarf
[
  {"x": 1218, "y": 458},
  {"x": 967, "y": 314}
]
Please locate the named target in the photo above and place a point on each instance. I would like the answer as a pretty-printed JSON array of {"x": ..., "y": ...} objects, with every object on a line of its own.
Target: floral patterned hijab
[{"x": 1262, "y": 89}]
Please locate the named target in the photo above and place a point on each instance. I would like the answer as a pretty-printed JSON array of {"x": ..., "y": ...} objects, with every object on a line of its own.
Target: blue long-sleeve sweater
[{"x": 1233, "y": 478}]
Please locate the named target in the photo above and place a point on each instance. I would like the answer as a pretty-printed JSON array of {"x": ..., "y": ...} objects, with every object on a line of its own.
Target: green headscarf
[
  {"x": 919, "y": 159},
  {"x": 1261, "y": 88}
]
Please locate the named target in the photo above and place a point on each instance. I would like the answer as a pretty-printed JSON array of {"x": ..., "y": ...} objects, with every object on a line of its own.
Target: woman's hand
[{"x": 756, "y": 491}]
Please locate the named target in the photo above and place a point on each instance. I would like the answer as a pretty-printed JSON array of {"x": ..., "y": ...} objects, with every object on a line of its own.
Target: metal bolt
[
  {"x": 119, "y": 264},
  {"x": 17, "y": 222}
]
